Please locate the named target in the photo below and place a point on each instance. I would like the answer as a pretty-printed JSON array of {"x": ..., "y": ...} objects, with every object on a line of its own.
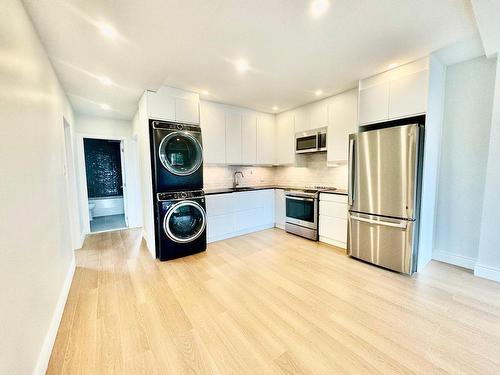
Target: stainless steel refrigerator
[{"x": 384, "y": 196}]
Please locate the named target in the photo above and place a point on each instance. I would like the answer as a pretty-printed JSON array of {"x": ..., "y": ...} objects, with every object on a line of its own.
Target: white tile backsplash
[{"x": 312, "y": 171}]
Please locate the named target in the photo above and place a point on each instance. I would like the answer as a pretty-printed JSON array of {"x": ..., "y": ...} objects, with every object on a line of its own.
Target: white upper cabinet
[
  {"x": 233, "y": 137},
  {"x": 318, "y": 114},
  {"x": 213, "y": 126},
  {"x": 285, "y": 139},
  {"x": 408, "y": 95},
  {"x": 173, "y": 105},
  {"x": 397, "y": 93},
  {"x": 301, "y": 116},
  {"x": 265, "y": 139},
  {"x": 342, "y": 121},
  {"x": 374, "y": 103},
  {"x": 249, "y": 138}
]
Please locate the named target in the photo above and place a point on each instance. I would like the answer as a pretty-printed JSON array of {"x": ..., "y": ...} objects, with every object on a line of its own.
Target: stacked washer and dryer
[{"x": 177, "y": 171}]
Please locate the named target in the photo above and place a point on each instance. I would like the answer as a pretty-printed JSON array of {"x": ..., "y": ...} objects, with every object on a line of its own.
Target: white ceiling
[{"x": 192, "y": 44}]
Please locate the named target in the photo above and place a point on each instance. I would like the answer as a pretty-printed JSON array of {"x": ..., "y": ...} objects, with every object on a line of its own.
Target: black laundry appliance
[
  {"x": 181, "y": 224},
  {"x": 177, "y": 156}
]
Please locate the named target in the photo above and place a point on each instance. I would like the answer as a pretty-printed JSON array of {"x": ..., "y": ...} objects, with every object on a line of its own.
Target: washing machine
[
  {"x": 177, "y": 156},
  {"x": 181, "y": 224}
]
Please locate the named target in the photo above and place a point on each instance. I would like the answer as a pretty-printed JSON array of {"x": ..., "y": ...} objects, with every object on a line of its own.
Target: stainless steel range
[{"x": 302, "y": 216}]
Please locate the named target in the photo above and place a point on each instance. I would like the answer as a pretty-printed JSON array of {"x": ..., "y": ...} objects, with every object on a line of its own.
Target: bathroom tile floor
[{"x": 103, "y": 223}]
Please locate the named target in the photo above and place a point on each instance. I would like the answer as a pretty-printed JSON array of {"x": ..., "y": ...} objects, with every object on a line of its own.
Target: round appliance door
[
  {"x": 184, "y": 221},
  {"x": 180, "y": 153}
]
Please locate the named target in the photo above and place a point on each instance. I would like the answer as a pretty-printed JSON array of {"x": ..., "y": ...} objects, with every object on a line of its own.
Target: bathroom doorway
[{"x": 105, "y": 180}]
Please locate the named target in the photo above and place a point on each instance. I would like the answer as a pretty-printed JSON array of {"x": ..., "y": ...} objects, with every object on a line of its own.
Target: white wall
[
  {"x": 464, "y": 154},
  {"x": 36, "y": 257},
  {"x": 488, "y": 264},
  {"x": 86, "y": 126}
]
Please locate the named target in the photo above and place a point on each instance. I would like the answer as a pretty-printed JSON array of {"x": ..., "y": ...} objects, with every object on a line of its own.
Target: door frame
[{"x": 84, "y": 200}]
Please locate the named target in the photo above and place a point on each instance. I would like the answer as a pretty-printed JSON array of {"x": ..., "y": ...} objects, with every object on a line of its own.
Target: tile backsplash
[{"x": 311, "y": 169}]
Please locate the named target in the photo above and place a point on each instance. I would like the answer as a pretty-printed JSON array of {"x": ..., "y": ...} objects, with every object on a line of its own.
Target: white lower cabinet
[
  {"x": 279, "y": 208},
  {"x": 234, "y": 214},
  {"x": 333, "y": 219}
]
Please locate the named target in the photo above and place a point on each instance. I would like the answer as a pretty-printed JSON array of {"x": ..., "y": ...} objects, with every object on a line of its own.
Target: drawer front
[
  {"x": 333, "y": 198},
  {"x": 333, "y": 228},
  {"x": 220, "y": 204},
  {"x": 333, "y": 209}
]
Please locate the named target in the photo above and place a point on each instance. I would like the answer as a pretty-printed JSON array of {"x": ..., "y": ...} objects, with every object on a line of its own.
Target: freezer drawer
[{"x": 382, "y": 241}]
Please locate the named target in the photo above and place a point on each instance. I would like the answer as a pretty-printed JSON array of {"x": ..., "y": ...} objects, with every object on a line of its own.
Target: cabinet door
[
  {"x": 160, "y": 106},
  {"x": 233, "y": 137},
  {"x": 318, "y": 114},
  {"x": 408, "y": 95},
  {"x": 342, "y": 121},
  {"x": 249, "y": 139},
  {"x": 301, "y": 116},
  {"x": 374, "y": 103},
  {"x": 213, "y": 125},
  {"x": 187, "y": 110},
  {"x": 279, "y": 208},
  {"x": 285, "y": 139},
  {"x": 333, "y": 228},
  {"x": 265, "y": 139}
]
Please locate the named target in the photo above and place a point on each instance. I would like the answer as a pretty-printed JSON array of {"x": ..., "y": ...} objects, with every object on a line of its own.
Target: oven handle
[{"x": 299, "y": 198}]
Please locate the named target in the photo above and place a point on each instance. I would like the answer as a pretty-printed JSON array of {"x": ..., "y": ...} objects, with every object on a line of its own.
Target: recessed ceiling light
[
  {"x": 319, "y": 7},
  {"x": 318, "y": 92},
  {"x": 105, "y": 81},
  {"x": 205, "y": 92},
  {"x": 393, "y": 65},
  {"x": 105, "y": 106},
  {"x": 108, "y": 31},
  {"x": 242, "y": 66},
  {"x": 275, "y": 108}
]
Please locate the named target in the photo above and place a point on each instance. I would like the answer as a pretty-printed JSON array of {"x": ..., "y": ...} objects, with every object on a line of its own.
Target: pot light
[
  {"x": 319, "y": 7},
  {"x": 108, "y": 31},
  {"x": 393, "y": 65},
  {"x": 318, "y": 92},
  {"x": 242, "y": 66},
  {"x": 105, "y": 81},
  {"x": 275, "y": 108},
  {"x": 205, "y": 92},
  {"x": 106, "y": 107}
]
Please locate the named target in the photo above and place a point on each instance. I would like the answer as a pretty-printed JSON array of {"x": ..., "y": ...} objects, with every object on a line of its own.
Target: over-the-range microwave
[{"x": 310, "y": 141}]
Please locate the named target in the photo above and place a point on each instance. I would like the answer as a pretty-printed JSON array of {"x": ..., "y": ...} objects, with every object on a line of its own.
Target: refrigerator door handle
[
  {"x": 351, "y": 172},
  {"x": 401, "y": 225}
]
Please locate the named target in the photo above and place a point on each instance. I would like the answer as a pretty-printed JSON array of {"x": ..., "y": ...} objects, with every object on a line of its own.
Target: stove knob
[{"x": 183, "y": 195}]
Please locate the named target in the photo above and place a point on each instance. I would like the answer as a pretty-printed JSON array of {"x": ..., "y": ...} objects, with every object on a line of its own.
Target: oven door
[
  {"x": 302, "y": 211},
  {"x": 306, "y": 143}
]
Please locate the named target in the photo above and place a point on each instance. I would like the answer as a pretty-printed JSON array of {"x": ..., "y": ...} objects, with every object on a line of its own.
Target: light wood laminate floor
[{"x": 270, "y": 303}]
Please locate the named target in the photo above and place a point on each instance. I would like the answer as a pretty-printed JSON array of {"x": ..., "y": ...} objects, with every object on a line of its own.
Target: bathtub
[{"x": 105, "y": 206}]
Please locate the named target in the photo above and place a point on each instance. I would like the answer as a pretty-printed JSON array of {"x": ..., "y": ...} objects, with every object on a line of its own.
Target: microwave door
[{"x": 308, "y": 143}]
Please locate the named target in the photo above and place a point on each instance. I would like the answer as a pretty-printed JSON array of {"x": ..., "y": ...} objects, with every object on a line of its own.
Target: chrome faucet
[{"x": 235, "y": 180}]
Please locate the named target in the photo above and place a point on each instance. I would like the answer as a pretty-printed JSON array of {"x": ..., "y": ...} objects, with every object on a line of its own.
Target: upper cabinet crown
[
  {"x": 172, "y": 104},
  {"x": 397, "y": 93}
]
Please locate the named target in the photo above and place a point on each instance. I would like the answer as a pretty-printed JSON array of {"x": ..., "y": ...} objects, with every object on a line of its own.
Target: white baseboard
[
  {"x": 333, "y": 242},
  {"x": 50, "y": 336},
  {"x": 240, "y": 232},
  {"x": 487, "y": 272},
  {"x": 82, "y": 240},
  {"x": 455, "y": 259}
]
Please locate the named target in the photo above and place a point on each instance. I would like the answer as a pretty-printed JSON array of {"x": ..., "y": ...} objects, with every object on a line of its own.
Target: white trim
[
  {"x": 487, "y": 272},
  {"x": 455, "y": 259},
  {"x": 50, "y": 336},
  {"x": 333, "y": 242},
  {"x": 279, "y": 225}
]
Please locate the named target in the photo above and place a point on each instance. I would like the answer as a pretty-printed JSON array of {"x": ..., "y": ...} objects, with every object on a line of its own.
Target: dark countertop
[{"x": 265, "y": 187}]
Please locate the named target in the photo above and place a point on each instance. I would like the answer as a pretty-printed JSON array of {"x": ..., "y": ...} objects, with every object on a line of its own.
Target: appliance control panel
[
  {"x": 180, "y": 195},
  {"x": 157, "y": 124}
]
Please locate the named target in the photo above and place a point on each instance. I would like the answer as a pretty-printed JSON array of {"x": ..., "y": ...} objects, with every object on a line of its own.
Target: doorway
[{"x": 106, "y": 190}]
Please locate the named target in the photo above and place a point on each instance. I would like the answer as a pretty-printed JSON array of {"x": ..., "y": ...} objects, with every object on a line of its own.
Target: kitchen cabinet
[
  {"x": 213, "y": 126},
  {"x": 342, "y": 121},
  {"x": 279, "y": 208},
  {"x": 397, "y": 93},
  {"x": 301, "y": 117},
  {"x": 333, "y": 219},
  {"x": 318, "y": 114},
  {"x": 285, "y": 139},
  {"x": 408, "y": 95},
  {"x": 234, "y": 214},
  {"x": 187, "y": 111},
  {"x": 233, "y": 138},
  {"x": 249, "y": 138},
  {"x": 171, "y": 104},
  {"x": 265, "y": 139}
]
